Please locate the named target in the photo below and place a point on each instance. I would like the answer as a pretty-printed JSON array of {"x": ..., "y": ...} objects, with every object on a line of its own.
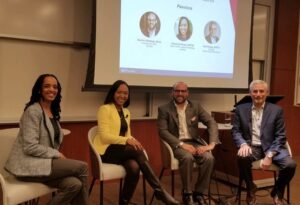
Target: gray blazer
[
  {"x": 34, "y": 148},
  {"x": 272, "y": 131},
  {"x": 168, "y": 123}
]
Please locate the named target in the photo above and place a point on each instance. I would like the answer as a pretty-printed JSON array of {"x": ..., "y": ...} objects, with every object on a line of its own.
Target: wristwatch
[
  {"x": 179, "y": 145},
  {"x": 270, "y": 154}
]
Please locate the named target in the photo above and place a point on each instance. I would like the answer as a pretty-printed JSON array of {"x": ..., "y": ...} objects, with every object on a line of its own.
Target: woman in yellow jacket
[{"x": 116, "y": 145}]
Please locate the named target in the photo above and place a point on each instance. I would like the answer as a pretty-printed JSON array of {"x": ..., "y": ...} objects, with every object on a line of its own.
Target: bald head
[{"x": 180, "y": 83}]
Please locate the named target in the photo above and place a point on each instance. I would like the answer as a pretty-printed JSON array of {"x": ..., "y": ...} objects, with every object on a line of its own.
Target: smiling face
[
  {"x": 259, "y": 93},
  {"x": 183, "y": 27},
  {"x": 180, "y": 93},
  {"x": 49, "y": 89},
  {"x": 121, "y": 95},
  {"x": 151, "y": 21}
]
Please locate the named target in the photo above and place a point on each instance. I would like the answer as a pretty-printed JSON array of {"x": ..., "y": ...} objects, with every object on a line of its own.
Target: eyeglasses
[{"x": 179, "y": 91}]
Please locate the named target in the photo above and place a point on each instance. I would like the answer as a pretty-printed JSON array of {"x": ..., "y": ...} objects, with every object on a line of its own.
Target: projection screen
[{"x": 205, "y": 43}]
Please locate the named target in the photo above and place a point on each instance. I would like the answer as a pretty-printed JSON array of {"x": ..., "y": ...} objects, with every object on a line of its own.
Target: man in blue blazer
[
  {"x": 259, "y": 133},
  {"x": 178, "y": 126}
]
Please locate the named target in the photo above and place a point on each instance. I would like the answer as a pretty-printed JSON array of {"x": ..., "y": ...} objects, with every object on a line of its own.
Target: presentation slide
[
  {"x": 178, "y": 38},
  {"x": 205, "y": 43}
]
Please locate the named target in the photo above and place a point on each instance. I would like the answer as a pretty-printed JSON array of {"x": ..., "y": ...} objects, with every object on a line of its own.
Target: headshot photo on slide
[
  {"x": 183, "y": 28},
  {"x": 150, "y": 24},
  {"x": 212, "y": 32}
]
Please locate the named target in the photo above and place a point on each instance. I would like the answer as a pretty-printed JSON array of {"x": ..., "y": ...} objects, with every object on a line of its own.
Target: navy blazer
[{"x": 272, "y": 131}]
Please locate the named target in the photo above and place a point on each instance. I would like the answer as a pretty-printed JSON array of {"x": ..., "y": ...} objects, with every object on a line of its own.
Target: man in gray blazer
[
  {"x": 178, "y": 126},
  {"x": 259, "y": 133}
]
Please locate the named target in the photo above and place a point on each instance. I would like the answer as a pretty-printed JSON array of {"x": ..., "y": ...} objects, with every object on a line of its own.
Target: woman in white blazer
[{"x": 35, "y": 156}]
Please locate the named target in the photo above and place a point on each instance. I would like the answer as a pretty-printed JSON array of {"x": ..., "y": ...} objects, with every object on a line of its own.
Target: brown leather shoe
[{"x": 277, "y": 200}]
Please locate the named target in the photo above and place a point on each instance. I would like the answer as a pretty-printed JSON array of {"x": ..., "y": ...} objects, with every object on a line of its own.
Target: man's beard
[{"x": 179, "y": 101}]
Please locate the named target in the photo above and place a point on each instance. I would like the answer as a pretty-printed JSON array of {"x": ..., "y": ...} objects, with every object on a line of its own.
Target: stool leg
[
  {"x": 101, "y": 193},
  {"x": 120, "y": 189},
  {"x": 92, "y": 185},
  {"x": 172, "y": 183},
  {"x": 238, "y": 195},
  {"x": 144, "y": 191},
  {"x": 288, "y": 193}
]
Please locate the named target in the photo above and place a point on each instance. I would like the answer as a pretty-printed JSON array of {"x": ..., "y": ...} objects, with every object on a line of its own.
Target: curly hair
[{"x": 36, "y": 95}]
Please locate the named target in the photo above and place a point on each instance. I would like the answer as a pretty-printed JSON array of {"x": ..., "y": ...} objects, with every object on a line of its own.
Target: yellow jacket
[{"x": 109, "y": 125}]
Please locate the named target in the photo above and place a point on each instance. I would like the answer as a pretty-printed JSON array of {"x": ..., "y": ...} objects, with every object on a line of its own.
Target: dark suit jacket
[
  {"x": 273, "y": 137},
  {"x": 208, "y": 39},
  {"x": 145, "y": 31},
  {"x": 168, "y": 123}
]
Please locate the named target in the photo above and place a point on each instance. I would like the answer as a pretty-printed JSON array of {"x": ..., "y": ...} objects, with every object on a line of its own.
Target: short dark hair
[
  {"x": 36, "y": 95},
  {"x": 113, "y": 89}
]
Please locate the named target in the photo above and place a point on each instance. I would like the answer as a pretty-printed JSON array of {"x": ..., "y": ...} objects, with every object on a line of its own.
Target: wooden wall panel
[
  {"x": 75, "y": 145},
  {"x": 283, "y": 83},
  {"x": 146, "y": 132},
  {"x": 285, "y": 34},
  {"x": 284, "y": 65}
]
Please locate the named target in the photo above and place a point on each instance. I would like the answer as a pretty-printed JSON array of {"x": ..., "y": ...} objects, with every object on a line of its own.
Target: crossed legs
[{"x": 70, "y": 178}]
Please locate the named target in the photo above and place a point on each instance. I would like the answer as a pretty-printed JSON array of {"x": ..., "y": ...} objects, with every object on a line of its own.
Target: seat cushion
[
  {"x": 19, "y": 191},
  {"x": 112, "y": 171},
  {"x": 257, "y": 165}
]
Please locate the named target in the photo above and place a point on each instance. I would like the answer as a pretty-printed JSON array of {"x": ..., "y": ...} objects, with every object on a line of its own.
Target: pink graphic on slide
[{"x": 233, "y": 4}]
